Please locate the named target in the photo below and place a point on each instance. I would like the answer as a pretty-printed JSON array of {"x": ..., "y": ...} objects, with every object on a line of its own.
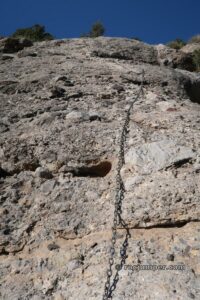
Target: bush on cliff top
[
  {"x": 176, "y": 44},
  {"x": 96, "y": 30},
  {"x": 35, "y": 33}
]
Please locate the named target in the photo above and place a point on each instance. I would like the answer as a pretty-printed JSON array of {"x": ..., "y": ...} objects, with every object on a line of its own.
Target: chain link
[{"x": 118, "y": 220}]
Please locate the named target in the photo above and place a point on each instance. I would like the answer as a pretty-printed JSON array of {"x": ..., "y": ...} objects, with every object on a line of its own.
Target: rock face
[
  {"x": 190, "y": 48},
  {"x": 176, "y": 59},
  {"x": 62, "y": 107}
]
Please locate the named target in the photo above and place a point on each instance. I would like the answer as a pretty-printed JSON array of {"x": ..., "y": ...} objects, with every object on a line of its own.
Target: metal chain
[{"x": 120, "y": 190}]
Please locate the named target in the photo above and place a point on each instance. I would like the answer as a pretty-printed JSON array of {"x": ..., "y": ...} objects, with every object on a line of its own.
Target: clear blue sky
[{"x": 154, "y": 21}]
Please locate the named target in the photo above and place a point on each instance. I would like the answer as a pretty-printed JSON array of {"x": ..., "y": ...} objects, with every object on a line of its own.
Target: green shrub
[
  {"x": 195, "y": 39},
  {"x": 35, "y": 33},
  {"x": 196, "y": 59},
  {"x": 96, "y": 30},
  {"x": 176, "y": 44}
]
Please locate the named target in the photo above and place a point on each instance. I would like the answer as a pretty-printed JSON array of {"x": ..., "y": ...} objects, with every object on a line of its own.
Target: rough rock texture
[
  {"x": 62, "y": 105},
  {"x": 175, "y": 58},
  {"x": 190, "y": 48}
]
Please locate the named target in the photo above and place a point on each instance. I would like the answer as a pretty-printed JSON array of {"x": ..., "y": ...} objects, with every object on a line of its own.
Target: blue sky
[{"x": 154, "y": 21}]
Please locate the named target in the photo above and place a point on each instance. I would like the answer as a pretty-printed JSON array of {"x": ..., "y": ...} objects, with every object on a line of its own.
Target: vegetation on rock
[
  {"x": 97, "y": 30},
  {"x": 35, "y": 33},
  {"x": 12, "y": 45},
  {"x": 176, "y": 44}
]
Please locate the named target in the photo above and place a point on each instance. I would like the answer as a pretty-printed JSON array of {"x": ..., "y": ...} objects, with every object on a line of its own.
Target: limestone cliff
[{"x": 62, "y": 106}]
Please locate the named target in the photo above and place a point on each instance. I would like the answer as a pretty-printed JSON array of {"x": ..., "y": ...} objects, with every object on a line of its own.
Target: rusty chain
[{"x": 118, "y": 220}]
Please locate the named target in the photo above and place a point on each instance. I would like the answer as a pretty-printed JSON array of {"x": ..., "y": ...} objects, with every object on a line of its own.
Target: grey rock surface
[
  {"x": 175, "y": 58},
  {"x": 190, "y": 48},
  {"x": 62, "y": 107}
]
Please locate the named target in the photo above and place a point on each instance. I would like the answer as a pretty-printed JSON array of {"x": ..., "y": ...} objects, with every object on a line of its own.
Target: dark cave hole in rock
[
  {"x": 3, "y": 173},
  {"x": 6, "y": 231},
  {"x": 99, "y": 170},
  {"x": 171, "y": 224},
  {"x": 4, "y": 252},
  {"x": 193, "y": 91}
]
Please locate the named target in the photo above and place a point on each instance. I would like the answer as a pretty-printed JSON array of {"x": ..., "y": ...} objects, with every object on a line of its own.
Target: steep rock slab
[
  {"x": 69, "y": 268},
  {"x": 125, "y": 49},
  {"x": 58, "y": 160}
]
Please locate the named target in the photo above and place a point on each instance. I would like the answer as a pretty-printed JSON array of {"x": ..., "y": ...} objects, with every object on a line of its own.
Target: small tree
[
  {"x": 176, "y": 44},
  {"x": 34, "y": 33},
  {"x": 97, "y": 30}
]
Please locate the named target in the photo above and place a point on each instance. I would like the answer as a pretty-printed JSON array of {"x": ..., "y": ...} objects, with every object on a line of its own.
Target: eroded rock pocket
[
  {"x": 193, "y": 90},
  {"x": 99, "y": 170},
  {"x": 3, "y": 173}
]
